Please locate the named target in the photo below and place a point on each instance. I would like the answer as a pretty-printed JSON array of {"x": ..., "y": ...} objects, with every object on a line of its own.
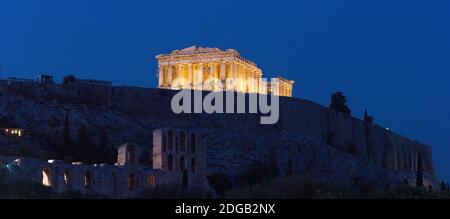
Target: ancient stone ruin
[{"x": 179, "y": 159}]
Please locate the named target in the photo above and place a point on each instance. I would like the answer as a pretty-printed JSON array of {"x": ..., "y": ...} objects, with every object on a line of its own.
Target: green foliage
[
  {"x": 410, "y": 192},
  {"x": 444, "y": 186},
  {"x": 256, "y": 173},
  {"x": 65, "y": 149},
  {"x": 293, "y": 187},
  {"x": 219, "y": 182},
  {"x": 351, "y": 149},
  {"x": 84, "y": 148},
  {"x": 69, "y": 79},
  {"x": 339, "y": 103},
  {"x": 367, "y": 119},
  {"x": 173, "y": 192},
  {"x": 54, "y": 122},
  {"x": 106, "y": 153},
  {"x": 303, "y": 187},
  {"x": 7, "y": 122},
  {"x": 12, "y": 188},
  {"x": 16, "y": 189}
]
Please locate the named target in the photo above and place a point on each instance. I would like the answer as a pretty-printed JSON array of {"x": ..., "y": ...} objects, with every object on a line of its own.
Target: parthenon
[{"x": 213, "y": 69}]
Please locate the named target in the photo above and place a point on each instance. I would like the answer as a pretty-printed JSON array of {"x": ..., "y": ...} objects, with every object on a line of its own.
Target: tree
[
  {"x": 66, "y": 148},
  {"x": 367, "y": 119},
  {"x": 419, "y": 173},
  {"x": 289, "y": 167},
  {"x": 273, "y": 163},
  {"x": 444, "y": 186},
  {"x": 86, "y": 150},
  {"x": 256, "y": 173},
  {"x": 69, "y": 79},
  {"x": 339, "y": 103},
  {"x": 105, "y": 151},
  {"x": 219, "y": 182}
]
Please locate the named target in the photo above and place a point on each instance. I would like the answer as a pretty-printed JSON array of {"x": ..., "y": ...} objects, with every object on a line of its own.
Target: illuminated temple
[{"x": 213, "y": 69}]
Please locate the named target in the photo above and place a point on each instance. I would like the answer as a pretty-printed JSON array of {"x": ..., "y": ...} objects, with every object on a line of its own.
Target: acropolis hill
[
  {"x": 319, "y": 142},
  {"x": 234, "y": 141}
]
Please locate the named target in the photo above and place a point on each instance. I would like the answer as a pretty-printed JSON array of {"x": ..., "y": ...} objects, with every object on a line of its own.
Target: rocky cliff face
[{"x": 234, "y": 141}]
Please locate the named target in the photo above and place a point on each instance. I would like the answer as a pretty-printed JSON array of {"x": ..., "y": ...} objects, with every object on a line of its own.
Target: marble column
[
  {"x": 211, "y": 69},
  {"x": 169, "y": 75},
  {"x": 222, "y": 74},
  {"x": 241, "y": 77},
  {"x": 211, "y": 76},
  {"x": 232, "y": 70},
  {"x": 190, "y": 76},
  {"x": 233, "y": 75},
  {"x": 199, "y": 76},
  {"x": 258, "y": 83},
  {"x": 222, "y": 70},
  {"x": 180, "y": 71},
  {"x": 253, "y": 84},
  {"x": 160, "y": 76}
]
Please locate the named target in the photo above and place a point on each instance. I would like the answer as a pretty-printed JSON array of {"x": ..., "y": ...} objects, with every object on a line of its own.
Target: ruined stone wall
[
  {"x": 233, "y": 140},
  {"x": 370, "y": 142},
  {"x": 373, "y": 143},
  {"x": 107, "y": 180}
]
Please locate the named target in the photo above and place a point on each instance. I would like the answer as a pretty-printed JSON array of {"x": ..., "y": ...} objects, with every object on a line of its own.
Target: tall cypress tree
[
  {"x": 105, "y": 151},
  {"x": 86, "y": 149},
  {"x": 339, "y": 103},
  {"x": 66, "y": 148}
]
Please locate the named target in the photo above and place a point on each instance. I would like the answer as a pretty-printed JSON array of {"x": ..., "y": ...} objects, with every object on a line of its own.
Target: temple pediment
[
  {"x": 195, "y": 50},
  {"x": 202, "y": 68}
]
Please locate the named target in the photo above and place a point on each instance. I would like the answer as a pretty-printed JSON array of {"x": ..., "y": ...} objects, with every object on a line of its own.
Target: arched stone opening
[
  {"x": 170, "y": 162},
  {"x": 183, "y": 141},
  {"x": 131, "y": 182},
  {"x": 182, "y": 163},
  {"x": 170, "y": 140},
  {"x": 193, "y": 143},
  {"x": 150, "y": 182},
  {"x": 88, "y": 179},
  {"x": 193, "y": 165},
  {"x": 46, "y": 177},
  {"x": 184, "y": 180},
  {"x": 68, "y": 178},
  {"x": 177, "y": 143}
]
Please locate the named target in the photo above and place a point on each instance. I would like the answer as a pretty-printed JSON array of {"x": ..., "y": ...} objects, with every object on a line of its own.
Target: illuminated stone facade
[
  {"x": 213, "y": 69},
  {"x": 179, "y": 160},
  {"x": 284, "y": 87}
]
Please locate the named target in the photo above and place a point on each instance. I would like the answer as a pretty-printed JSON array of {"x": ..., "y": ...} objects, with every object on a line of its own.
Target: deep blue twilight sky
[{"x": 389, "y": 56}]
